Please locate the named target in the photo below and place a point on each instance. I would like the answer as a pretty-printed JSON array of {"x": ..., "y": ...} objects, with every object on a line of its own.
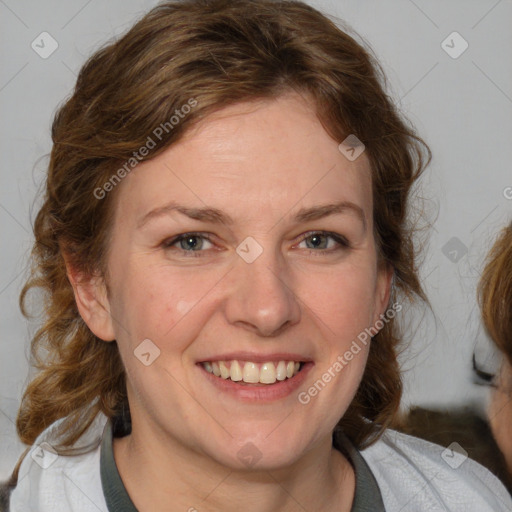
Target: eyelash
[
  {"x": 342, "y": 242},
  {"x": 484, "y": 378}
]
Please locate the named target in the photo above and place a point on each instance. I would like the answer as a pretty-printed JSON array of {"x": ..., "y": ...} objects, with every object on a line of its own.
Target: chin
[{"x": 259, "y": 453}]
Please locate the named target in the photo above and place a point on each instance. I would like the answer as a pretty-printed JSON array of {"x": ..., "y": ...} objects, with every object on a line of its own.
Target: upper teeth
[{"x": 266, "y": 373}]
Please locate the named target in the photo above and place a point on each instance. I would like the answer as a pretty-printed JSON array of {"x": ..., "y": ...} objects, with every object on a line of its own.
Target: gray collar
[{"x": 367, "y": 497}]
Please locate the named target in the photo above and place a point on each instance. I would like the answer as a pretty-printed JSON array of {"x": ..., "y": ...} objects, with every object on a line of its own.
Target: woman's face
[
  {"x": 500, "y": 412},
  {"x": 278, "y": 264}
]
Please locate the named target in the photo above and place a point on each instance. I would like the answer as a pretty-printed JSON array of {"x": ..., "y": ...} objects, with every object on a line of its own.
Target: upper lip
[{"x": 258, "y": 357}]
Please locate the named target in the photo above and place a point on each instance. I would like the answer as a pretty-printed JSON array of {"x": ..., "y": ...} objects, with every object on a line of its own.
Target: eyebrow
[{"x": 215, "y": 216}]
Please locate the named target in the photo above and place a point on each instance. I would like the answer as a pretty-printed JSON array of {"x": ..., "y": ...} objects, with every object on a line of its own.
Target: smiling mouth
[{"x": 248, "y": 372}]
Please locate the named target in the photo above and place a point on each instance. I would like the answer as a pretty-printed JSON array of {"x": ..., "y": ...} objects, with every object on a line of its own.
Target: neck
[{"x": 160, "y": 475}]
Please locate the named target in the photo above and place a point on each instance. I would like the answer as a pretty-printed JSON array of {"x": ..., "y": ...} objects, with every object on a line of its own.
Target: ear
[
  {"x": 382, "y": 291},
  {"x": 92, "y": 302}
]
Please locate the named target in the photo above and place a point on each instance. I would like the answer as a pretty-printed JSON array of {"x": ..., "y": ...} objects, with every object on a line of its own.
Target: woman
[
  {"x": 495, "y": 297},
  {"x": 225, "y": 246}
]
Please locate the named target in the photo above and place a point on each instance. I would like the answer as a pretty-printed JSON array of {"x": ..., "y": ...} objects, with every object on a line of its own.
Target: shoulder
[
  {"x": 49, "y": 481},
  {"x": 420, "y": 475}
]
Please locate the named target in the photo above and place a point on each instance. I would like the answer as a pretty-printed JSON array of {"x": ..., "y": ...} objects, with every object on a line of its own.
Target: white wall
[{"x": 462, "y": 107}]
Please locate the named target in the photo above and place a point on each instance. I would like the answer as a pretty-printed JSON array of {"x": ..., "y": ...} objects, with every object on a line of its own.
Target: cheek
[
  {"x": 169, "y": 309},
  {"x": 343, "y": 300},
  {"x": 183, "y": 306},
  {"x": 500, "y": 417},
  {"x": 158, "y": 302}
]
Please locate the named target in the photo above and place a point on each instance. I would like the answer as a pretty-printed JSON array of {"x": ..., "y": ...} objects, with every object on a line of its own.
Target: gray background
[{"x": 461, "y": 106}]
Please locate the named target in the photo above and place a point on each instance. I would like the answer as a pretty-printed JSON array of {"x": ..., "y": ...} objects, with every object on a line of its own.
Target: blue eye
[
  {"x": 324, "y": 241},
  {"x": 189, "y": 242}
]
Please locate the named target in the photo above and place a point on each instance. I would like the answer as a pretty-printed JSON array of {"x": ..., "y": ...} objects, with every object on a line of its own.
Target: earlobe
[{"x": 92, "y": 302}]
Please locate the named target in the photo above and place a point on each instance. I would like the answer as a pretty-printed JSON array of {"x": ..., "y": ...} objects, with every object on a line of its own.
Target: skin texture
[
  {"x": 259, "y": 163},
  {"x": 500, "y": 413}
]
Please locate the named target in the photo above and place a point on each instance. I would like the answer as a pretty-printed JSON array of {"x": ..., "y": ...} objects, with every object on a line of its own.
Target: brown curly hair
[
  {"x": 495, "y": 292},
  {"x": 220, "y": 52}
]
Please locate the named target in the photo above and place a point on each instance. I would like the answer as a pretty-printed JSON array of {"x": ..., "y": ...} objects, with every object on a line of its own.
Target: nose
[{"x": 261, "y": 297}]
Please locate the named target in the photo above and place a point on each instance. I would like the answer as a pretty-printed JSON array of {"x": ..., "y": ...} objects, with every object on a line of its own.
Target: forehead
[{"x": 272, "y": 154}]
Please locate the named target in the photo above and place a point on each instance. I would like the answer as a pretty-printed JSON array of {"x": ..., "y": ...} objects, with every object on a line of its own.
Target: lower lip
[{"x": 261, "y": 392}]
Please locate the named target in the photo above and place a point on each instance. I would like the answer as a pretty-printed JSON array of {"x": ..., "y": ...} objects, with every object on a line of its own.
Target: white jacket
[{"x": 412, "y": 474}]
